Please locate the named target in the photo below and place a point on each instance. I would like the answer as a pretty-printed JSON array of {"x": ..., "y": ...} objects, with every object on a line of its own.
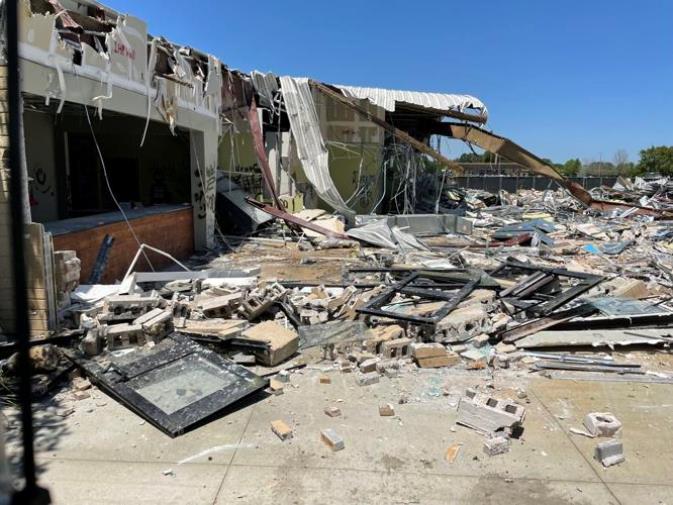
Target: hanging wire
[{"x": 109, "y": 187}]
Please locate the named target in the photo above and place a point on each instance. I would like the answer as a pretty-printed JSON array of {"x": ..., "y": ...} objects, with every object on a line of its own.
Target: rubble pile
[{"x": 531, "y": 284}]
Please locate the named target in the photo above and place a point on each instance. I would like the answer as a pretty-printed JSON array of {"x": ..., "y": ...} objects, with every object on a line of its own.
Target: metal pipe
[{"x": 30, "y": 492}]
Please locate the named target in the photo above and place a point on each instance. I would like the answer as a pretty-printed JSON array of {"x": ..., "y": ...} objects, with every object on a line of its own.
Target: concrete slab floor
[{"x": 103, "y": 453}]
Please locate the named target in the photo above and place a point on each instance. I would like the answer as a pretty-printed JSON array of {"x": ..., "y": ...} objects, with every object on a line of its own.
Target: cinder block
[
  {"x": 464, "y": 323},
  {"x": 610, "y": 452},
  {"x": 496, "y": 445},
  {"x": 602, "y": 424},
  {"x": 367, "y": 379},
  {"x": 333, "y": 441},
  {"x": 382, "y": 334},
  {"x": 281, "y": 342},
  {"x": 369, "y": 365},
  {"x": 488, "y": 414},
  {"x": 399, "y": 348}
]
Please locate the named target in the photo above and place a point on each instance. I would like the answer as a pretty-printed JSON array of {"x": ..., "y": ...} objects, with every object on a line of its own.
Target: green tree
[
  {"x": 571, "y": 167},
  {"x": 471, "y": 158},
  {"x": 657, "y": 159}
]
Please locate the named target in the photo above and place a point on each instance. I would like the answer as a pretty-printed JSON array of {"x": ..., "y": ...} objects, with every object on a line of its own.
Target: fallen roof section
[{"x": 388, "y": 98}]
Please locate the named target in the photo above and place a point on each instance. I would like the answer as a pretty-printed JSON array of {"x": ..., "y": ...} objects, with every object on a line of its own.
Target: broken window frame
[
  {"x": 412, "y": 286},
  {"x": 118, "y": 380},
  {"x": 532, "y": 287}
]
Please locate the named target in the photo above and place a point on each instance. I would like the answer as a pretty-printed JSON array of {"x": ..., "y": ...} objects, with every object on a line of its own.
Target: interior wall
[
  {"x": 163, "y": 163},
  {"x": 41, "y": 160},
  {"x": 236, "y": 156},
  {"x": 355, "y": 154}
]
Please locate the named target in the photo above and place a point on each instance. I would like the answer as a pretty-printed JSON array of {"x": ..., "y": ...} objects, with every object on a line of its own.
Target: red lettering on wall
[{"x": 124, "y": 50}]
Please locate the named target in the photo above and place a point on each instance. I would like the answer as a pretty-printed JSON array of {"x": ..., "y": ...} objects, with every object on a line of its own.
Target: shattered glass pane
[
  {"x": 335, "y": 332},
  {"x": 177, "y": 385},
  {"x": 626, "y": 307}
]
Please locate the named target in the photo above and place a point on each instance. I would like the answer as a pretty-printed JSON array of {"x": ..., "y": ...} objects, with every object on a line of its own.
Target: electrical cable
[{"x": 109, "y": 187}]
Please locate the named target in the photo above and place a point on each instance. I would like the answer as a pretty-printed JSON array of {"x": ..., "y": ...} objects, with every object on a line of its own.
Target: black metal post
[{"x": 31, "y": 493}]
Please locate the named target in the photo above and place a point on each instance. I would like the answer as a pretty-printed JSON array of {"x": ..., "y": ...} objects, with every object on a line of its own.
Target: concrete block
[
  {"x": 368, "y": 365},
  {"x": 449, "y": 359},
  {"x": 333, "y": 411},
  {"x": 487, "y": 414},
  {"x": 464, "y": 323},
  {"x": 156, "y": 323},
  {"x": 345, "y": 366},
  {"x": 496, "y": 445},
  {"x": 480, "y": 340},
  {"x": 92, "y": 343},
  {"x": 473, "y": 355},
  {"x": 382, "y": 334},
  {"x": 398, "y": 348},
  {"x": 129, "y": 307},
  {"x": 243, "y": 359},
  {"x": 331, "y": 439},
  {"x": 621, "y": 287},
  {"x": 367, "y": 378},
  {"x": 602, "y": 424},
  {"x": 503, "y": 348},
  {"x": 276, "y": 387},
  {"x": 121, "y": 336},
  {"x": 422, "y": 351},
  {"x": 386, "y": 410},
  {"x": 281, "y": 429},
  {"x": 220, "y": 306},
  {"x": 391, "y": 373},
  {"x": 281, "y": 342},
  {"x": 610, "y": 452}
]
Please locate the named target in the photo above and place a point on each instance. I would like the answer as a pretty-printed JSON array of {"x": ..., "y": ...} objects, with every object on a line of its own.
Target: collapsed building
[{"x": 141, "y": 152}]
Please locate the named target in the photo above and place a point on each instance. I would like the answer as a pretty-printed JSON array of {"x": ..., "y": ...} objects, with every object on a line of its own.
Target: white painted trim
[{"x": 56, "y": 61}]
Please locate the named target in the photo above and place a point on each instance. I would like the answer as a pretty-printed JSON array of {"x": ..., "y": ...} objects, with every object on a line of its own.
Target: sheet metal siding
[{"x": 386, "y": 98}]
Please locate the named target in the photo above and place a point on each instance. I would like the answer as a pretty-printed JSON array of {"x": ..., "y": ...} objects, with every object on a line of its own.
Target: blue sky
[{"x": 564, "y": 79}]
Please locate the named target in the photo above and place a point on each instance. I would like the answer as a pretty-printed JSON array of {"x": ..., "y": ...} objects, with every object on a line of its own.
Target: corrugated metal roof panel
[{"x": 387, "y": 98}]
